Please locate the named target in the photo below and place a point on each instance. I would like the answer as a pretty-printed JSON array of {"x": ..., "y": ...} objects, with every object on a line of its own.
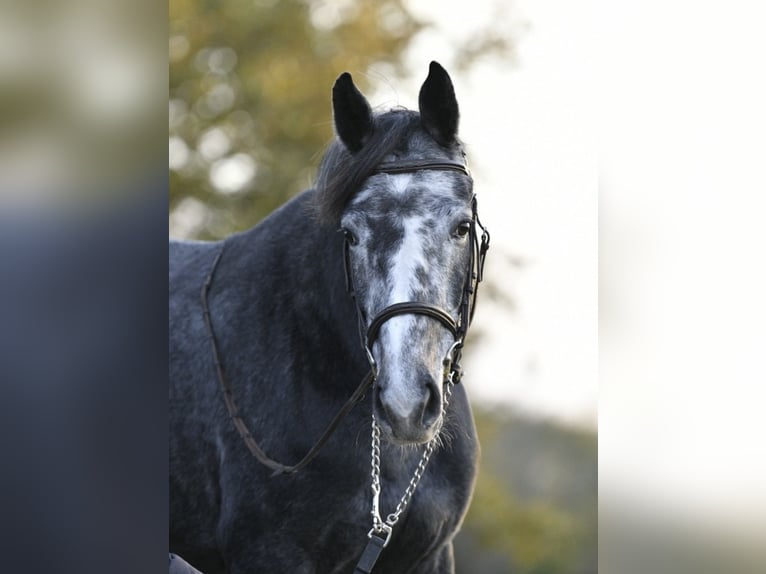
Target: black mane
[{"x": 342, "y": 173}]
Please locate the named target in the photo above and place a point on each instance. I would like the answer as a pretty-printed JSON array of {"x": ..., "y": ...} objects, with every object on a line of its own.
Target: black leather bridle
[
  {"x": 478, "y": 246},
  {"x": 368, "y": 334}
]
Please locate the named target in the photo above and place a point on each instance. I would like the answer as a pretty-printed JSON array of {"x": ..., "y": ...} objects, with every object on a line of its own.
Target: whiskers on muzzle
[{"x": 445, "y": 435}]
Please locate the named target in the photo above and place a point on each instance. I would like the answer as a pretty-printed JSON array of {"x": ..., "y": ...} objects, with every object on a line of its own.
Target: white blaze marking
[
  {"x": 401, "y": 393},
  {"x": 400, "y": 182}
]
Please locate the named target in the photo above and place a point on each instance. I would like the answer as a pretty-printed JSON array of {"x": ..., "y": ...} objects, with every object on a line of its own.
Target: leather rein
[{"x": 458, "y": 327}]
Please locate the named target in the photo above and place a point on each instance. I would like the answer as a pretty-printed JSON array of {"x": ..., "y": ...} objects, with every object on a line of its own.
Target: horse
[{"x": 369, "y": 276}]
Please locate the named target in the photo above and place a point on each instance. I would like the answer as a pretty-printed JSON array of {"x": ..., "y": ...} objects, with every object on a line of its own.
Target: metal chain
[{"x": 378, "y": 524}]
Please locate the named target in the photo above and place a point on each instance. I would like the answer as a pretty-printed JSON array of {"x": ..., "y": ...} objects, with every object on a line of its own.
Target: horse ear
[
  {"x": 438, "y": 106},
  {"x": 352, "y": 113}
]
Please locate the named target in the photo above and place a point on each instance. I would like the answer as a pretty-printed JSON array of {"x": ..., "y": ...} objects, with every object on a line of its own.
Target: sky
[
  {"x": 682, "y": 249},
  {"x": 528, "y": 126}
]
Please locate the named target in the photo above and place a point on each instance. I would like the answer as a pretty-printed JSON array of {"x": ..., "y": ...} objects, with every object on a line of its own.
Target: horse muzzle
[
  {"x": 407, "y": 400},
  {"x": 409, "y": 415}
]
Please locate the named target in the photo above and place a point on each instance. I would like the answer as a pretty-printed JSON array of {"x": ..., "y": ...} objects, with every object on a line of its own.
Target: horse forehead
[{"x": 408, "y": 194}]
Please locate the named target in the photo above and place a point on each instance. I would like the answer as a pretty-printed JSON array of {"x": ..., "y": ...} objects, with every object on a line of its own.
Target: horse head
[{"x": 408, "y": 216}]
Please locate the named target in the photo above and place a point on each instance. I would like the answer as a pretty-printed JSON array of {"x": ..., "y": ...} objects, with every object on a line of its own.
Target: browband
[{"x": 419, "y": 164}]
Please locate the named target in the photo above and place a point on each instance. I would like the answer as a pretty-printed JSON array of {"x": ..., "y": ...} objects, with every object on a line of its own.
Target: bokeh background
[
  {"x": 249, "y": 118},
  {"x": 669, "y": 92}
]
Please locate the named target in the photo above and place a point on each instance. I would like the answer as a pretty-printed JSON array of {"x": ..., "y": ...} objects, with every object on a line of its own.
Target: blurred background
[
  {"x": 250, "y": 117},
  {"x": 681, "y": 124},
  {"x": 669, "y": 92},
  {"x": 80, "y": 86}
]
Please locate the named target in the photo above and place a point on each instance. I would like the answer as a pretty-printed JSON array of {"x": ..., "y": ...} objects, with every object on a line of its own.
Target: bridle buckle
[
  {"x": 381, "y": 529},
  {"x": 451, "y": 363}
]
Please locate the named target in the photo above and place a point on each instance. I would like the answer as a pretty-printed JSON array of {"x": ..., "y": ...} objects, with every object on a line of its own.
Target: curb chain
[{"x": 380, "y": 526}]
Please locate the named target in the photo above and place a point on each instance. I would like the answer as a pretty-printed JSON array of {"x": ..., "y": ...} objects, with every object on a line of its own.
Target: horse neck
[{"x": 295, "y": 266}]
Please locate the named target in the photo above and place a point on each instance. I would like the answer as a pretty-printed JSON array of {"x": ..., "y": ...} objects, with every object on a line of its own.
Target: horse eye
[
  {"x": 463, "y": 229},
  {"x": 350, "y": 237}
]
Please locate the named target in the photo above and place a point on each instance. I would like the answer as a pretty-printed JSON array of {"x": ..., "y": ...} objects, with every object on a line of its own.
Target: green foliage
[
  {"x": 535, "y": 504},
  {"x": 535, "y": 536},
  {"x": 250, "y": 88},
  {"x": 250, "y": 94}
]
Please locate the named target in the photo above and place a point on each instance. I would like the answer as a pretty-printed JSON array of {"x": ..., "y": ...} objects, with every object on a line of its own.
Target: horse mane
[{"x": 342, "y": 173}]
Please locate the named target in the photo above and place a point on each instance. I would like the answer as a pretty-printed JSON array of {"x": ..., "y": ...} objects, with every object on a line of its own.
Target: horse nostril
[
  {"x": 409, "y": 423},
  {"x": 432, "y": 408}
]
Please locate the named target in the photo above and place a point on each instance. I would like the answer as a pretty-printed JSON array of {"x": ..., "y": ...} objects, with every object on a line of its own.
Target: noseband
[{"x": 474, "y": 275}]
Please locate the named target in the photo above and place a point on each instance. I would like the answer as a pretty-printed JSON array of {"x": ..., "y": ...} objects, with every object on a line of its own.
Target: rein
[{"x": 231, "y": 406}]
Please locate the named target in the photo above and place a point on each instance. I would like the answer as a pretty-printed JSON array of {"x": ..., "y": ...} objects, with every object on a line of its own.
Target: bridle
[
  {"x": 382, "y": 529},
  {"x": 478, "y": 246},
  {"x": 380, "y": 534}
]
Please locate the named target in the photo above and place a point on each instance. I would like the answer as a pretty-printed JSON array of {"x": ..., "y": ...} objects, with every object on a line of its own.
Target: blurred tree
[
  {"x": 534, "y": 510},
  {"x": 249, "y": 97}
]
